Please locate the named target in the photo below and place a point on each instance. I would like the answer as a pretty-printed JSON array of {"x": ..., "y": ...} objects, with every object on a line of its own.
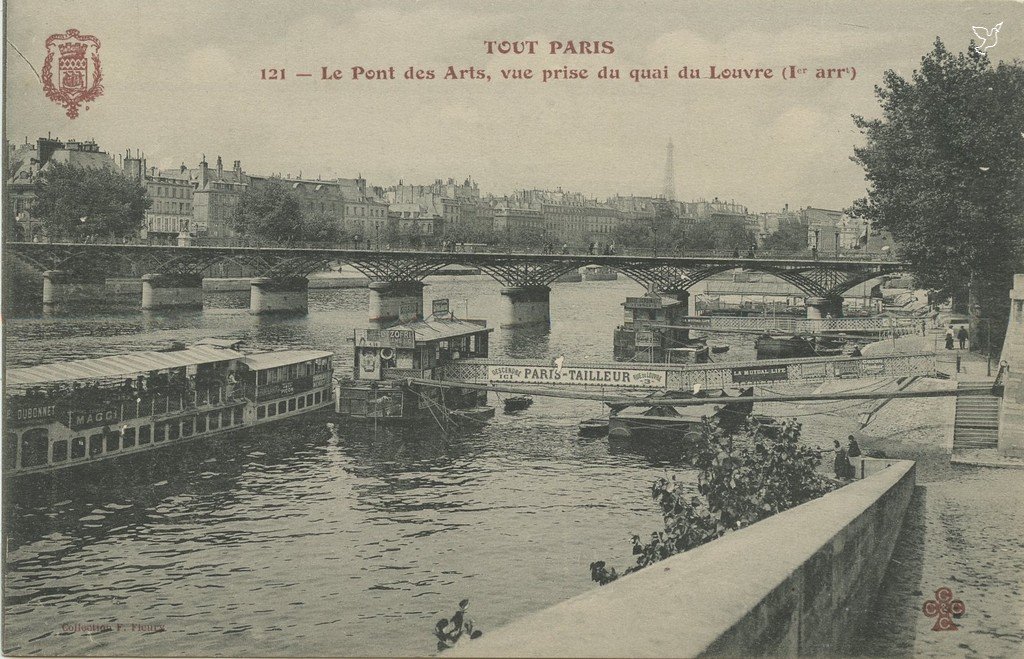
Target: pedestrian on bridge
[{"x": 949, "y": 338}]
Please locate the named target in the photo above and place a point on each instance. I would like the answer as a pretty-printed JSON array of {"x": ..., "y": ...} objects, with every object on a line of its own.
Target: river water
[{"x": 289, "y": 541}]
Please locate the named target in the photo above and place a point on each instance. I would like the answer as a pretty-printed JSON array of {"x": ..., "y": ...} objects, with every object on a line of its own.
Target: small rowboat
[
  {"x": 596, "y": 427},
  {"x": 719, "y": 349},
  {"x": 517, "y": 403},
  {"x": 473, "y": 415}
]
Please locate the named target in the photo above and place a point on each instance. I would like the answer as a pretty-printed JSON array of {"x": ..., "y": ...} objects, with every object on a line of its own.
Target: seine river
[{"x": 287, "y": 540}]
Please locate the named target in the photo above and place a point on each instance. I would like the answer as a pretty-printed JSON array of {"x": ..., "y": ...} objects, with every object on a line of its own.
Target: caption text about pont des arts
[{"x": 518, "y": 52}]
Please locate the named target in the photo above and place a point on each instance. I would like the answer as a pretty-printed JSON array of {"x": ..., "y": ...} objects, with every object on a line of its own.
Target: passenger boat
[
  {"x": 719, "y": 349},
  {"x": 387, "y": 361},
  {"x": 599, "y": 273},
  {"x": 652, "y": 419},
  {"x": 82, "y": 412}
]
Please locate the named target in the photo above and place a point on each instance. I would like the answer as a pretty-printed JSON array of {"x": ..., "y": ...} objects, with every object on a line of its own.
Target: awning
[
  {"x": 118, "y": 366},
  {"x": 263, "y": 360}
]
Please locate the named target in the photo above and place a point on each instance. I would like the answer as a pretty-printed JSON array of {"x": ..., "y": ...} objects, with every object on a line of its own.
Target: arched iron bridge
[{"x": 827, "y": 278}]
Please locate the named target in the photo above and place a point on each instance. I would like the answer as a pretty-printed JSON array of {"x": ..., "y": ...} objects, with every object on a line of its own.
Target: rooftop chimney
[{"x": 220, "y": 166}]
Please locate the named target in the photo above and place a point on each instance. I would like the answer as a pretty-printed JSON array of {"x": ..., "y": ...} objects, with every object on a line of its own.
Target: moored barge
[{"x": 388, "y": 362}]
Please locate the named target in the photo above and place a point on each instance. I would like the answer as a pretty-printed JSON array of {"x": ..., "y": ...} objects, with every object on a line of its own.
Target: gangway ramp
[{"x": 637, "y": 376}]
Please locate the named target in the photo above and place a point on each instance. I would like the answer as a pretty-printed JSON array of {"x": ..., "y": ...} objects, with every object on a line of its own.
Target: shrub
[{"x": 742, "y": 478}]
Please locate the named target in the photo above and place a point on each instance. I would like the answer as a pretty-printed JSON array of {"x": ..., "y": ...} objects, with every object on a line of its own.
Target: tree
[
  {"x": 321, "y": 227},
  {"x": 724, "y": 233},
  {"x": 740, "y": 480},
  {"x": 269, "y": 212},
  {"x": 791, "y": 235},
  {"x": 945, "y": 165},
  {"x": 75, "y": 202}
]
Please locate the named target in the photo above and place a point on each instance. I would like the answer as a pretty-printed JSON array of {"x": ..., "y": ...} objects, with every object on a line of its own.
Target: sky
[{"x": 182, "y": 79}]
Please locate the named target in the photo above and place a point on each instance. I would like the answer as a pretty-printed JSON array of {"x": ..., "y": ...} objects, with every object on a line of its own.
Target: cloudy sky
[{"x": 183, "y": 78}]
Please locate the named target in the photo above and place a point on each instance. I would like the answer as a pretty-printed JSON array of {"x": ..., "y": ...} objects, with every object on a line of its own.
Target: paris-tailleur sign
[{"x": 603, "y": 377}]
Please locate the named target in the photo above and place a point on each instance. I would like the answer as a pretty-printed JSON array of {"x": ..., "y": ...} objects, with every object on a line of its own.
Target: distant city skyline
[{"x": 183, "y": 80}]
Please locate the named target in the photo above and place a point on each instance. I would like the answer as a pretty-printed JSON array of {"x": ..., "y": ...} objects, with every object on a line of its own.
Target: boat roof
[
  {"x": 688, "y": 413},
  {"x": 118, "y": 366},
  {"x": 438, "y": 329},
  {"x": 262, "y": 360}
]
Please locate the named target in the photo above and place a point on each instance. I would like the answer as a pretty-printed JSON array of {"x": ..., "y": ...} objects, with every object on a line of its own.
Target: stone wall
[
  {"x": 801, "y": 582},
  {"x": 1011, "y": 414}
]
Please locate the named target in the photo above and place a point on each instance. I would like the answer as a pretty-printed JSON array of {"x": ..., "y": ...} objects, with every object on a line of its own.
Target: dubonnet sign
[
  {"x": 603, "y": 377},
  {"x": 372, "y": 338}
]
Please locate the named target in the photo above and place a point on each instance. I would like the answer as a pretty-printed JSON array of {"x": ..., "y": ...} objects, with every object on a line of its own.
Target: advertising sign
[
  {"x": 646, "y": 339},
  {"x": 439, "y": 307},
  {"x": 760, "y": 374},
  {"x": 602, "y": 377},
  {"x": 101, "y": 416},
  {"x": 386, "y": 338},
  {"x": 38, "y": 413},
  {"x": 643, "y": 302}
]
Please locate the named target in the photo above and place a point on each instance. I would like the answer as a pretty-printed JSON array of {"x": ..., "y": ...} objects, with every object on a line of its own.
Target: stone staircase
[{"x": 977, "y": 417}]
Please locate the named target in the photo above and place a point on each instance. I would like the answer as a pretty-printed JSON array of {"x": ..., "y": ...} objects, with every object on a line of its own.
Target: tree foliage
[
  {"x": 269, "y": 212},
  {"x": 791, "y": 236},
  {"x": 945, "y": 164},
  {"x": 74, "y": 203},
  {"x": 741, "y": 479}
]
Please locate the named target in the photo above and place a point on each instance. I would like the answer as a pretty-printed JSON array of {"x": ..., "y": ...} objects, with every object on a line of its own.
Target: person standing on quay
[
  {"x": 841, "y": 465},
  {"x": 961, "y": 336},
  {"x": 949, "y": 338}
]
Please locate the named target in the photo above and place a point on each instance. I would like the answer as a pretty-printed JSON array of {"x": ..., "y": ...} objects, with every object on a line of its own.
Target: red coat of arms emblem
[{"x": 77, "y": 77}]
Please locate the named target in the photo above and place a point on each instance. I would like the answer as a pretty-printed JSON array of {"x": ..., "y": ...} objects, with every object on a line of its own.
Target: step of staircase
[{"x": 976, "y": 422}]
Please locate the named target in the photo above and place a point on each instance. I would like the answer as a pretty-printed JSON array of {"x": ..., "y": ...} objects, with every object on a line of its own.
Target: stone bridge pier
[
  {"x": 269, "y": 295},
  {"x": 394, "y": 302},
  {"x": 526, "y": 305},
  {"x": 63, "y": 287},
  {"x": 172, "y": 291},
  {"x": 822, "y": 307}
]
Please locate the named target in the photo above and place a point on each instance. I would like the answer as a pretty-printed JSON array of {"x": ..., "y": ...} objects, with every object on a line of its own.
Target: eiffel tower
[{"x": 670, "y": 174}]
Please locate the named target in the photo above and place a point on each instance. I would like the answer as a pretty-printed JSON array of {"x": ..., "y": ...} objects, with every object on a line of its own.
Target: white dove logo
[
  {"x": 989, "y": 38},
  {"x": 558, "y": 362}
]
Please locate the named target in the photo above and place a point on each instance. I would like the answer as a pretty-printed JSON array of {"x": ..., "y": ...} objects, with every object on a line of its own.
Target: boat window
[
  {"x": 316, "y": 397},
  {"x": 128, "y": 438},
  {"x": 261, "y": 377},
  {"x": 35, "y": 447},
  {"x": 59, "y": 452},
  {"x": 173, "y": 429},
  {"x": 77, "y": 448},
  {"x": 236, "y": 416},
  {"x": 186, "y": 427},
  {"x": 282, "y": 407},
  {"x": 113, "y": 441},
  {"x": 261, "y": 412},
  {"x": 160, "y": 432},
  {"x": 95, "y": 445},
  {"x": 272, "y": 409},
  {"x": 301, "y": 402},
  {"x": 291, "y": 405},
  {"x": 214, "y": 420},
  {"x": 10, "y": 447},
  {"x": 144, "y": 432},
  {"x": 225, "y": 418},
  {"x": 309, "y": 399},
  {"x": 201, "y": 423}
]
